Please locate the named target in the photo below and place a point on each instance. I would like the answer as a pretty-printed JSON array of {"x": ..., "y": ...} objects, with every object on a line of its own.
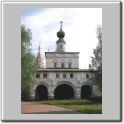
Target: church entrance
[
  {"x": 64, "y": 91},
  {"x": 41, "y": 93},
  {"x": 86, "y": 91}
]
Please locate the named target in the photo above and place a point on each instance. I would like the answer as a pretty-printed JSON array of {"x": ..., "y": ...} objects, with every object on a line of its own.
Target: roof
[
  {"x": 60, "y": 40},
  {"x": 62, "y": 52},
  {"x": 65, "y": 70}
]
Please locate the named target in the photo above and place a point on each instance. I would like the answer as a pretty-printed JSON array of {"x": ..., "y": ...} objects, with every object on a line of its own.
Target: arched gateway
[
  {"x": 63, "y": 91},
  {"x": 86, "y": 91},
  {"x": 41, "y": 93}
]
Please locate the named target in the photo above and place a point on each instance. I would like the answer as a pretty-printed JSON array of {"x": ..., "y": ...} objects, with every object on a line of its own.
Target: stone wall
[
  {"x": 51, "y": 82},
  {"x": 59, "y": 58}
]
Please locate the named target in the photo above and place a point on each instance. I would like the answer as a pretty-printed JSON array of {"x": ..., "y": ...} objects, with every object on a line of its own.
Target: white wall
[
  {"x": 60, "y": 58},
  {"x": 79, "y": 79}
]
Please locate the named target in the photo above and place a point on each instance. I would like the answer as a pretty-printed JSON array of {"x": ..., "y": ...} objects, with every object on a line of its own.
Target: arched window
[
  {"x": 69, "y": 65},
  {"x": 57, "y": 75},
  {"x": 55, "y": 65},
  {"x": 44, "y": 75},
  {"x": 71, "y": 75},
  {"x": 64, "y": 75},
  {"x": 62, "y": 65},
  {"x": 61, "y": 46},
  {"x": 37, "y": 75},
  {"x": 87, "y": 75}
]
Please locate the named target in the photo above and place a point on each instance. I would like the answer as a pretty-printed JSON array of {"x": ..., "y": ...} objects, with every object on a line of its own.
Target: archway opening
[
  {"x": 86, "y": 91},
  {"x": 63, "y": 91},
  {"x": 41, "y": 93}
]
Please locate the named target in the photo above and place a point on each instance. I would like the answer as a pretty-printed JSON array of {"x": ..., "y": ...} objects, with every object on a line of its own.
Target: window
[
  {"x": 87, "y": 75},
  {"x": 37, "y": 75},
  {"x": 69, "y": 65},
  {"x": 55, "y": 65},
  {"x": 57, "y": 75},
  {"x": 64, "y": 75},
  {"x": 62, "y": 65},
  {"x": 71, "y": 75},
  {"x": 44, "y": 75},
  {"x": 61, "y": 46}
]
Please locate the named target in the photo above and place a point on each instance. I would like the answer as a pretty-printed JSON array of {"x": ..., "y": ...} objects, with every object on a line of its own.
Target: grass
[{"x": 81, "y": 105}]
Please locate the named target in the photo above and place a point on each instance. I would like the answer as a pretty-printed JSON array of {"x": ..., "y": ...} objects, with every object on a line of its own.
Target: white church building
[{"x": 62, "y": 78}]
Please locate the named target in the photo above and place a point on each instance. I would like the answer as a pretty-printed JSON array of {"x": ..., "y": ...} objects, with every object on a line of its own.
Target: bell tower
[
  {"x": 60, "y": 42},
  {"x": 39, "y": 59}
]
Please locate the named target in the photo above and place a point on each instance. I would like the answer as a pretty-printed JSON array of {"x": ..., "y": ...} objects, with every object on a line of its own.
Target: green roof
[
  {"x": 61, "y": 34},
  {"x": 60, "y": 40}
]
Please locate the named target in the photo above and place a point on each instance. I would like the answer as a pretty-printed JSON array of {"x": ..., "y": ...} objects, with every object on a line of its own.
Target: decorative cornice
[
  {"x": 62, "y": 52},
  {"x": 66, "y": 70}
]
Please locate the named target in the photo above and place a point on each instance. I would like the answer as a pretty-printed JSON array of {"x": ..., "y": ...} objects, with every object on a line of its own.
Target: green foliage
[
  {"x": 97, "y": 99},
  {"x": 28, "y": 63},
  {"x": 96, "y": 60},
  {"x": 26, "y": 37}
]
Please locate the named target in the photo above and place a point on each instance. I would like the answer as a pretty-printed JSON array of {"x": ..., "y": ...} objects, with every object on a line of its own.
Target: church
[{"x": 62, "y": 78}]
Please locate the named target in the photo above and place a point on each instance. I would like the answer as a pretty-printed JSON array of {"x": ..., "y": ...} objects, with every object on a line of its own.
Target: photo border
[{"x": 2, "y": 66}]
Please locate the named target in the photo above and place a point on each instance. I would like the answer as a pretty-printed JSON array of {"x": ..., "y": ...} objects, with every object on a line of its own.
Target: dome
[
  {"x": 61, "y": 34},
  {"x": 60, "y": 40}
]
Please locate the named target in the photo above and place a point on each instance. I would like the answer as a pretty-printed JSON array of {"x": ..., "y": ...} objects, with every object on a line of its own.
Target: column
[
  {"x": 32, "y": 94},
  {"x": 77, "y": 94},
  {"x": 50, "y": 93}
]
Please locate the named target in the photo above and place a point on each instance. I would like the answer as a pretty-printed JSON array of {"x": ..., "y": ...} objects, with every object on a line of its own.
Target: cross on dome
[
  {"x": 60, "y": 42},
  {"x": 61, "y": 33},
  {"x": 61, "y": 22}
]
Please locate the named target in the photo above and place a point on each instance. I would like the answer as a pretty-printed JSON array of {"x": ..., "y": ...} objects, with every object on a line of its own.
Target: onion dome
[
  {"x": 61, "y": 40},
  {"x": 61, "y": 34}
]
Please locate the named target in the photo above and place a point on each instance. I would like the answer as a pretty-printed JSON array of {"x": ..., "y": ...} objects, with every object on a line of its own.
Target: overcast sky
[{"x": 79, "y": 26}]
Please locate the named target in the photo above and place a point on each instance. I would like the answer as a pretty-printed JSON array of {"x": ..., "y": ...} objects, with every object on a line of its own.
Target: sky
[{"x": 79, "y": 25}]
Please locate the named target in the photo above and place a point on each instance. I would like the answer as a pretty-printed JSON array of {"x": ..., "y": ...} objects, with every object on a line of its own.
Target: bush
[{"x": 97, "y": 99}]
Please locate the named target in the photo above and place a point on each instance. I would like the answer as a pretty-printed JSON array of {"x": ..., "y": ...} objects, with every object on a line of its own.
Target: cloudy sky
[{"x": 79, "y": 26}]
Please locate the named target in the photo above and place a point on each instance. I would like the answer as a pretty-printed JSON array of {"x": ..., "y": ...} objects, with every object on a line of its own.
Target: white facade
[
  {"x": 62, "y": 77},
  {"x": 69, "y": 59},
  {"x": 78, "y": 80}
]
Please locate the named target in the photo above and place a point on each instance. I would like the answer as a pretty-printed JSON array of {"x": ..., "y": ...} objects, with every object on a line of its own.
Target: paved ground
[{"x": 35, "y": 108}]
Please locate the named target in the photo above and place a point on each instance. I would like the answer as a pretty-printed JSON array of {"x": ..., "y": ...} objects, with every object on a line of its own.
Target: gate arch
[
  {"x": 41, "y": 92},
  {"x": 86, "y": 91},
  {"x": 64, "y": 90}
]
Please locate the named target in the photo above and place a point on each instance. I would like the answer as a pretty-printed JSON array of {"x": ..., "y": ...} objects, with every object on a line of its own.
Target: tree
[
  {"x": 28, "y": 63},
  {"x": 96, "y": 60}
]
